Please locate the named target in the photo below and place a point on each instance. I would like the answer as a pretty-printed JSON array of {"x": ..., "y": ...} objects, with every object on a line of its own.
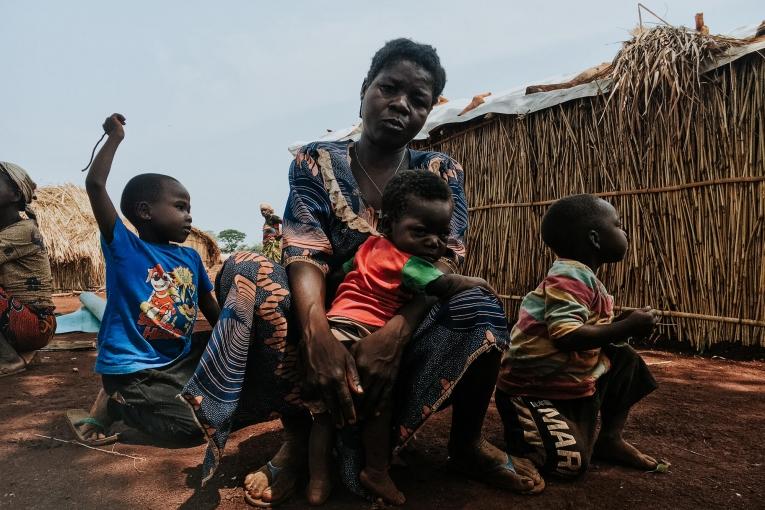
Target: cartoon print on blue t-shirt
[{"x": 170, "y": 310}]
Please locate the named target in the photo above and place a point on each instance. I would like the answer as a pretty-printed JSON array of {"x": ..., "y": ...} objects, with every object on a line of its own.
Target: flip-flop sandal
[
  {"x": 271, "y": 473},
  {"x": 13, "y": 372},
  {"x": 78, "y": 417},
  {"x": 494, "y": 476}
]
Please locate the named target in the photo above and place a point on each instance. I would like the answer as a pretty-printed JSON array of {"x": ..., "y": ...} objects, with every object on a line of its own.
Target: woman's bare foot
[
  {"x": 381, "y": 485},
  {"x": 619, "y": 451},
  {"x": 487, "y": 463},
  {"x": 276, "y": 480},
  {"x": 99, "y": 412},
  {"x": 320, "y": 460}
]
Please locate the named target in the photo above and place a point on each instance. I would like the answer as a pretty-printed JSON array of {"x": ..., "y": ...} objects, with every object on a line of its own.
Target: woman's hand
[
  {"x": 331, "y": 370},
  {"x": 378, "y": 357}
]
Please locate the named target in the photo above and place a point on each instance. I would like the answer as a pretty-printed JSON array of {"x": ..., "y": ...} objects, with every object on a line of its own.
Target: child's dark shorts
[
  {"x": 559, "y": 435},
  {"x": 147, "y": 400}
]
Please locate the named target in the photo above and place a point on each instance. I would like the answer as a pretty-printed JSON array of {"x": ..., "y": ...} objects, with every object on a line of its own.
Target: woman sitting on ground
[
  {"x": 27, "y": 322},
  {"x": 429, "y": 355}
]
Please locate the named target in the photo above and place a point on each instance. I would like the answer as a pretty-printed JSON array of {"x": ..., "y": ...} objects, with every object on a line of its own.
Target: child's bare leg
[
  {"x": 98, "y": 411},
  {"x": 611, "y": 446},
  {"x": 319, "y": 459},
  {"x": 10, "y": 361},
  {"x": 375, "y": 477}
]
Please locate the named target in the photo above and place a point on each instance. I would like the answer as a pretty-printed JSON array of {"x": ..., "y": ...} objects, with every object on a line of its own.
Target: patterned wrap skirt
[
  {"x": 250, "y": 371},
  {"x": 26, "y": 328}
]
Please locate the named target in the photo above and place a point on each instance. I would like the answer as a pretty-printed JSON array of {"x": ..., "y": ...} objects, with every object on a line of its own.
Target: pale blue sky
[{"x": 214, "y": 92}]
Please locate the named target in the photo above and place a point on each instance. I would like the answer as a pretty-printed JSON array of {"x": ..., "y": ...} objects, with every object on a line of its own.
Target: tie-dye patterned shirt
[
  {"x": 327, "y": 219},
  {"x": 569, "y": 297}
]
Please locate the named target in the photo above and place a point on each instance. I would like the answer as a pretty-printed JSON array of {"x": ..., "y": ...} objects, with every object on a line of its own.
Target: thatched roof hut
[
  {"x": 672, "y": 132},
  {"x": 71, "y": 236}
]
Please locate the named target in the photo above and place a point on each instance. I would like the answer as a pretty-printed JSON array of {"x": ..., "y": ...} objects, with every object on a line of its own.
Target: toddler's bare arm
[
  {"x": 451, "y": 284},
  {"x": 639, "y": 323}
]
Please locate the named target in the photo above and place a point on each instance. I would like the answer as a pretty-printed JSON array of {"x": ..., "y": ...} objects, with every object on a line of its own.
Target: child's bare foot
[
  {"x": 381, "y": 485},
  {"x": 320, "y": 460},
  {"x": 619, "y": 451},
  {"x": 98, "y": 411},
  {"x": 318, "y": 489}
]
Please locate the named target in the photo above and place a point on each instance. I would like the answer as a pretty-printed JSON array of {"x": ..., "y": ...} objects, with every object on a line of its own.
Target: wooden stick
[
  {"x": 606, "y": 194},
  {"x": 110, "y": 452},
  {"x": 673, "y": 313}
]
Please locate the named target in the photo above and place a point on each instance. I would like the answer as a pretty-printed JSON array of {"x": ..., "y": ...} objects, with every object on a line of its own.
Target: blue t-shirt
[{"x": 152, "y": 296}]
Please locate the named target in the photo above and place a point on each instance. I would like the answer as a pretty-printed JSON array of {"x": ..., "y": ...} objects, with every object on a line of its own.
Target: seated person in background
[
  {"x": 153, "y": 290},
  {"x": 568, "y": 358},
  {"x": 272, "y": 233},
  {"x": 384, "y": 274},
  {"x": 27, "y": 322}
]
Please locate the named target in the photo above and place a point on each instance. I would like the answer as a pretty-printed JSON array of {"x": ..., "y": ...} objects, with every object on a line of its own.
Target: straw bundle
[
  {"x": 681, "y": 155},
  {"x": 71, "y": 235}
]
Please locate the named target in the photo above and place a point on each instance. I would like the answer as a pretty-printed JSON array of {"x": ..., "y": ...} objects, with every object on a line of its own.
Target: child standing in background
[
  {"x": 568, "y": 360},
  {"x": 154, "y": 288}
]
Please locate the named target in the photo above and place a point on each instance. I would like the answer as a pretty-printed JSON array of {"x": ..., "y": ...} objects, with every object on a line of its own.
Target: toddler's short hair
[
  {"x": 567, "y": 220},
  {"x": 422, "y": 184},
  {"x": 141, "y": 188}
]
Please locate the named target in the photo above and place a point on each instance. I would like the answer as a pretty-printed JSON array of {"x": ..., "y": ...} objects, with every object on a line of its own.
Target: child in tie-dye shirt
[{"x": 568, "y": 358}]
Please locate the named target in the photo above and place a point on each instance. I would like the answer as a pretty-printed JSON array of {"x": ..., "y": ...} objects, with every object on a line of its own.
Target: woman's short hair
[{"x": 397, "y": 50}]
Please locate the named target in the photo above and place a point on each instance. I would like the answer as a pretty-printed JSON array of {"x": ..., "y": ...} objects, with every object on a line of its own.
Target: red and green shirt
[{"x": 380, "y": 279}]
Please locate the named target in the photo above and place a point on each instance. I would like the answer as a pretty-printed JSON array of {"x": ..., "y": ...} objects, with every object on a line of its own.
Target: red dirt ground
[{"x": 707, "y": 418}]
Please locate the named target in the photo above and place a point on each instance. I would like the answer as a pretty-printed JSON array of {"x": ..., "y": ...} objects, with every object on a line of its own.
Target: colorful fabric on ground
[
  {"x": 152, "y": 296},
  {"x": 381, "y": 279},
  {"x": 326, "y": 221},
  {"x": 249, "y": 371},
  {"x": 569, "y": 297},
  {"x": 24, "y": 265},
  {"x": 25, "y": 328}
]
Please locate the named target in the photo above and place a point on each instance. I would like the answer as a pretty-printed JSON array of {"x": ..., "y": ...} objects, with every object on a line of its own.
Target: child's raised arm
[{"x": 95, "y": 182}]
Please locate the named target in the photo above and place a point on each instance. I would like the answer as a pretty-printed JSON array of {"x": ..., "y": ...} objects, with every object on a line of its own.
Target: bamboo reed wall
[{"x": 686, "y": 172}]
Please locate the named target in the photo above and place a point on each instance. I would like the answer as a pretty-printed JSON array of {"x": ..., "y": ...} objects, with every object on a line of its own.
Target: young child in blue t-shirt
[{"x": 154, "y": 288}]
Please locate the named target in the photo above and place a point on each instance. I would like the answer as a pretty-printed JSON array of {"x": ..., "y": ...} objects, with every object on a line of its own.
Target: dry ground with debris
[{"x": 707, "y": 418}]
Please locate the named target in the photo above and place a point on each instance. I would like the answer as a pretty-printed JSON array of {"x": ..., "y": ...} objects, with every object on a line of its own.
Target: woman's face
[
  {"x": 9, "y": 194},
  {"x": 395, "y": 105}
]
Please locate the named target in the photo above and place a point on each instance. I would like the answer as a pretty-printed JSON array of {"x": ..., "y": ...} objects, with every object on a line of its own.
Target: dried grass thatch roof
[{"x": 71, "y": 235}]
